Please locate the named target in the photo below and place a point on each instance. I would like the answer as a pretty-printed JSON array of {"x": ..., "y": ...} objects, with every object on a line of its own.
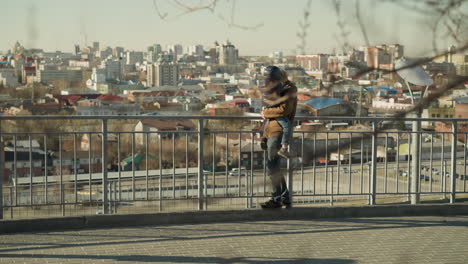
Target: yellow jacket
[{"x": 286, "y": 109}]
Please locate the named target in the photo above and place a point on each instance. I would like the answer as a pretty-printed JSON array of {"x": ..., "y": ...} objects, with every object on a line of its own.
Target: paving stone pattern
[{"x": 332, "y": 241}]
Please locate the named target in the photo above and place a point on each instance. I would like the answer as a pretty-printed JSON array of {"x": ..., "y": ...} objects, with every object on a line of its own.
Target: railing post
[
  {"x": 290, "y": 177},
  {"x": 2, "y": 164},
  {"x": 373, "y": 175},
  {"x": 105, "y": 199},
  {"x": 453, "y": 186},
  {"x": 415, "y": 153},
  {"x": 200, "y": 163}
]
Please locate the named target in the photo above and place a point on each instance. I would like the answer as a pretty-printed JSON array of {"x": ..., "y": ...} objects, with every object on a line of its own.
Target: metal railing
[{"x": 211, "y": 167}]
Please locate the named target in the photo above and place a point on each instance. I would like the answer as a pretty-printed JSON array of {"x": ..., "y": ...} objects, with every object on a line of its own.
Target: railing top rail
[{"x": 201, "y": 117}]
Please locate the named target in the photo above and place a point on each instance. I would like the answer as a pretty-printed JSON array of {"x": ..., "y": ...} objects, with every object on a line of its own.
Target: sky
[{"x": 135, "y": 24}]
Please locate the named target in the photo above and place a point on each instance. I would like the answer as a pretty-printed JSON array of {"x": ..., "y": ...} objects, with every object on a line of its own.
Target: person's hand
[
  {"x": 262, "y": 114},
  {"x": 268, "y": 102}
]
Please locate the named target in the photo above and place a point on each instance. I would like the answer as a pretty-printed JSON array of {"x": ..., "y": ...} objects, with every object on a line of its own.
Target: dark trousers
[{"x": 280, "y": 190}]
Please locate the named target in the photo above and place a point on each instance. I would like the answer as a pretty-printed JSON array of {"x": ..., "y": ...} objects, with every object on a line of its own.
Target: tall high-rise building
[
  {"x": 176, "y": 49},
  {"x": 118, "y": 52},
  {"x": 134, "y": 56},
  {"x": 165, "y": 73},
  {"x": 228, "y": 54},
  {"x": 114, "y": 69},
  {"x": 96, "y": 46},
  {"x": 154, "y": 52},
  {"x": 196, "y": 50},
  {"x": 77, "y": 49},
  {"x": 383, "y": 55},
  {"x": 315, "y": 62},
  {"x": 150, "y": 75}
]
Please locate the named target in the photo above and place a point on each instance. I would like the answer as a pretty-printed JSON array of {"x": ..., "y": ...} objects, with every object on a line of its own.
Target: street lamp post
[{"x": 414, "y": 74}]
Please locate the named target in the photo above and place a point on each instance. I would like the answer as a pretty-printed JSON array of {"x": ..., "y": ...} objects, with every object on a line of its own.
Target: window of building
[{"x": 438, "y": 115}]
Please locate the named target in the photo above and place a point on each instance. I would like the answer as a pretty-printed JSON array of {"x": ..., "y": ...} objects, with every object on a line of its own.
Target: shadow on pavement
[
  {"x": 269, "y": 229},
  {"x": 183, "y": 259}
]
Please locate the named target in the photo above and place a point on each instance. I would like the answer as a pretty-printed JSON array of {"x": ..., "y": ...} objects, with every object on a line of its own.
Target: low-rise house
[
  {"x": 157, "y": 125},
  {"x": 326, "y": 106},
  {"x": 84, "y": 164}
]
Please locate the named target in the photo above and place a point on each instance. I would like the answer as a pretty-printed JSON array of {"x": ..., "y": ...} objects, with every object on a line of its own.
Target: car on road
[
  {"x": 403, "y": 173},
  {"x": 236, "y": 172}
]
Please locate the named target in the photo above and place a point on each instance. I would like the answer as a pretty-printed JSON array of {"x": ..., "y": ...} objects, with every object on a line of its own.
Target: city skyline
[{"x": 122, "y": 23}]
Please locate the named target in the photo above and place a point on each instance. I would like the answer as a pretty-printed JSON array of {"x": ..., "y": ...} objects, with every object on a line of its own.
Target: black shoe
[
  {"x": 287, "y": 204},
  {"x": 270, "y": 204}
]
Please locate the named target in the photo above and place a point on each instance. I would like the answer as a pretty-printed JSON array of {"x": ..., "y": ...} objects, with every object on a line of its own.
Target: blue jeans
[
  {"x": 280, "y": 190},
  {"x": 287, "y": 129}
]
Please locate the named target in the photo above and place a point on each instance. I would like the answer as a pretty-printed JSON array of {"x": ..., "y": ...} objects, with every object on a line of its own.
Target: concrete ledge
[
  {"x": 42, "y": 224},
  {"x": 197, "y": 217}
]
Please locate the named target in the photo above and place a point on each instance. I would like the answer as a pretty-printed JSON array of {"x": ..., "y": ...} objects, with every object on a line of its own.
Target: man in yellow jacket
[{"x": 273, "y": 133}]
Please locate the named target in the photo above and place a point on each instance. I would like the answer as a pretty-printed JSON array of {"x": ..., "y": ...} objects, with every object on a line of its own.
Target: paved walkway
[{"x": 342, "y": 241}]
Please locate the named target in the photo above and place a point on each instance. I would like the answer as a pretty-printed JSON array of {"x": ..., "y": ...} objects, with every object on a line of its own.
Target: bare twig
[
  {"x": 362, "y": 26},
  {"x": 304, "y": 28},
  {"x": 211, "y": 6}
]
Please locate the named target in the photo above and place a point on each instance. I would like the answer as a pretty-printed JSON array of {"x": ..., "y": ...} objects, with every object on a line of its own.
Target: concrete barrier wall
[{"x": 197, "y": 217}]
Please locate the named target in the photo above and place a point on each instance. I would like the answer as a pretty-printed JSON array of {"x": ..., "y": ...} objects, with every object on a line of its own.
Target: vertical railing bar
[
  {"x": 11, "y": 201},
  {"x": 338, "y": 165},
  {"x": 119, "y": 166},
  {"x": 75, "y": 169},
  {"x": 111, "y": 191},
  {"x": 373, "y": 179},
  {"x": 173, "y": 167},
  {"x": 398, "y": 162},
  {"x": 160, "y": 170},
  {"x": 332, "y": 182},
  {"x": 90, "y": 168},
  {"x": 442, "y": 167},
  {"x": 104, "y": 159},
  {"x": 133, "y": 167},
  {"x": 386, "y": 162},
  {"x": 326, "y": 163},
  {"x": 362, "y": 164},
  {"x": 250, "y": 182},
  {"x": 213, "y": 164},
  {"x": 453, "y": 183},
  {"x": 265, "y": 156},
  {"x": 31, "y": 201},
  {"x": 2, "y": 175},
  {"x": 431, "y": 161},
  {"x": 302, "y": 163},
  {"x": 350, "y": 161},
  {"x": 409, "y": 166},
  {"x": 240, "y": 164},
  {"x": 62, "y": 200},
  {"x": 15, "y": 169},
  {"x": 186, "y": 166},
  {"x": 200, "y": 164},
  {"x": 115, "y": 197},
  {"x": 420, "y": 160},
  {"x": 314, "y": 170},
  {"x": 226, "y": 188},
  {"x": 146, "y": 165},
  {"x": 464, "y": 164}
]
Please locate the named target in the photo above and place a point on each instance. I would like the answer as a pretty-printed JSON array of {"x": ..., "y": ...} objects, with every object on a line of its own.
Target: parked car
[
  {"x": 403, "y": 173},
  {"x": 424, "y": 177},
  {"x": 237, "y": 172}
]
